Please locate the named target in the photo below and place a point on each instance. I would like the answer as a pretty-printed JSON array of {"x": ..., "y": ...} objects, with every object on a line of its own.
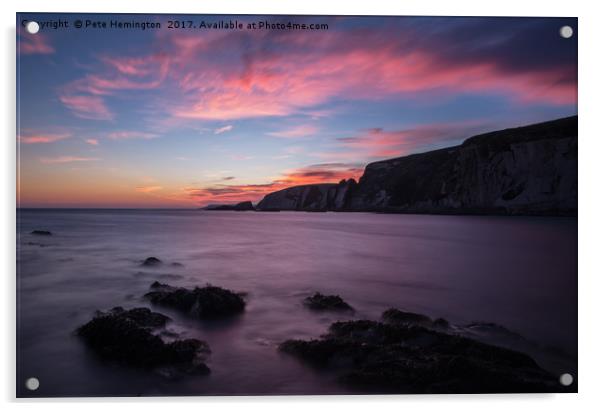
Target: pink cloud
[
  {"x": 86, "y": 96},
  {"x": 377, "y": 142},
  {"x": 86, "y": 106},
  {"x": 34, "y": 43},
  {"x": 127, "y": 135},
  {"x": 278, "y": 84},
  {"x": 229, "y": 76},
  {"x": 148, "y": 189},
  {"x": 295, "y": 132},
  {"x": 92, "y": 141},
  {"x": 314, "y": 174},
  {"x": 43, "y": 138},
  {"x": 66, "y": 159}
]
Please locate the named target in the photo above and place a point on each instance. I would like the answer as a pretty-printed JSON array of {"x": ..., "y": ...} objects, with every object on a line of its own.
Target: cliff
[
  {"x": 243, "y": 206},
  {"x": 525, "y": 170},
  {"x": 315, "y": 197}
]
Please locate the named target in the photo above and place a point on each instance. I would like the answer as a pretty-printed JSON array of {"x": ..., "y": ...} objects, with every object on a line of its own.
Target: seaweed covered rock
[
  {"x": 208, "y": 302},
  {"x": 151, "y": 262},
  {"x": 322, "y": 302},
  {"x": 126, "y": 336},
  {"x": 41, "y": 232},
  {"x": 409, "y": 358}
]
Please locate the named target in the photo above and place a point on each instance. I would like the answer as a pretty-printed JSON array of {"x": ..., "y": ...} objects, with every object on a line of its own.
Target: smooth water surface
[{"x": 518, "y": 272}]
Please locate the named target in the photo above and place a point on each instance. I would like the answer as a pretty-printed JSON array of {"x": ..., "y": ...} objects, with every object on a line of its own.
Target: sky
[{"x": 189, "y": 117}]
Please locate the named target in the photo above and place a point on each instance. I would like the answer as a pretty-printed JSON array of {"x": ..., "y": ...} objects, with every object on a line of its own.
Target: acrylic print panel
[{"x": 267, "y": 205}]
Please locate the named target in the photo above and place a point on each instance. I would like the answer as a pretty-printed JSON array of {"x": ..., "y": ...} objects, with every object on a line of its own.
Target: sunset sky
[{"x": 185, "y": 118}]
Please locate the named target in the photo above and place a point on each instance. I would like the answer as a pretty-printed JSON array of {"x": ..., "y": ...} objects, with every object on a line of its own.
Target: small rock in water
[
  {"x": 151, "y": 261},
  {"x": 409, "y": 358},
  {"x": 326, "y": 302},
  {"x": 126, "y": 336},
  {"x": 41, "y": 232},
  {"x": 157, "y": 284},
  {"x": 208, "y": 302}
]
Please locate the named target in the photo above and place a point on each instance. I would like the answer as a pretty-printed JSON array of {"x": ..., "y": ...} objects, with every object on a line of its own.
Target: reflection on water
[{"x": 517, "y": 272}]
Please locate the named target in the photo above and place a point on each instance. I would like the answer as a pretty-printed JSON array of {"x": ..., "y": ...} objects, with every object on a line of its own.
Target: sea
[{"x": 505, "y": 280}]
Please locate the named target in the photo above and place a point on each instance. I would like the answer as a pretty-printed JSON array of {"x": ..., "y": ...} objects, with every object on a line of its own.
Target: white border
[{"x": 590, "y": 199}]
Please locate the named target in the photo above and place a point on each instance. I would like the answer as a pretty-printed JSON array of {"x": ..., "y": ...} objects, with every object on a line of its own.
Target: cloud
[
  {"x": 66, "y": 159},
  {"x": 238, "y": 75},
  {"x": 228, "y": 178},
  {"x": 34, "y": 43},
  {"x": 223, "y": 129},
  {"x": 295, "y": 132},
  {"x": 92, "y": 141},
  {"x": 283, "y": 75},
  {"x": 381, "y": 143},
  {"x": 128, "y": 135},
  {"x": 313, "y": 174},
  {"x": 86, "y": 96},
  {"x": 43, "y": 138},
  {"x": 148, "y": 189},
  {"x": 88, "y": 107}
]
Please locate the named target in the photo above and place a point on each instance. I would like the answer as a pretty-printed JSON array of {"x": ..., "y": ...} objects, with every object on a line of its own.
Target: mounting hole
[
  {"x": 566, "y": 379},
  {"x": 566, "y": 32},
  {"x": 32, "y": 27},
  {"x": 32, "y": 384}
]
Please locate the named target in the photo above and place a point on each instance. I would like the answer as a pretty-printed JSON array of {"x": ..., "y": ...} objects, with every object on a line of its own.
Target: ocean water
[{"x": 517, "y": 272}]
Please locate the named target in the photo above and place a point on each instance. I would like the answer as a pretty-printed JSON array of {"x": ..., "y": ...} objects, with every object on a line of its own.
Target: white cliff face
[{"x": 527, "y": 170}]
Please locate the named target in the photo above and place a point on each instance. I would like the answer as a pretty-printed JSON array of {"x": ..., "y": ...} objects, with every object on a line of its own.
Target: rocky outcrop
[
  {"x": 407, "y": 358},
  {"x": 151, "y": 262},
  {"x": 128, "y": 337},
  {"x": 321, "y": 302},
  {"x": 242, "y": 206},
  {"x": 208, "y": 302},
  {"x": 525, "y": 170},
  {"x": 313, "y": 197}
]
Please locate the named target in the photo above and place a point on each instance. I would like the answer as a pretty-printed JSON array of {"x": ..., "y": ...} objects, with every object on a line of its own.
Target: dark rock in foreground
[
  {"x": 403, "y": 358},
  {"x": 242, "y": 206},
  {"x": 326, "y": 302},
  {"x": 41, "y": 232},
  {"x": 126, "y": 336},
  {"x": 152, "y": 262},
  {"x": 208, "y": 302}
]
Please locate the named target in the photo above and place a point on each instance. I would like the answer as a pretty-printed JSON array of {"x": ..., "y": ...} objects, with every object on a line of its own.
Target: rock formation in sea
[
  {"x": 130, "y": 337},
  {"x": 208, "y": 302},
  {"x": 406, "y": 353},
  {"x": 321, "y": 302},
  {"x": 526, "y": 170}
]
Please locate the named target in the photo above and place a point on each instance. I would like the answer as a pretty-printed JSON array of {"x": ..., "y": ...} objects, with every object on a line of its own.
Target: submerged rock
[
  {"x": 126, "y": 336},
  {"x": 205, "y": 303},
  {"x": 326, "y": 302},
  {"x": 152, "y": 262},
  {"x": 407, "y": 358},
  {"x": 41, "y": 232}
]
